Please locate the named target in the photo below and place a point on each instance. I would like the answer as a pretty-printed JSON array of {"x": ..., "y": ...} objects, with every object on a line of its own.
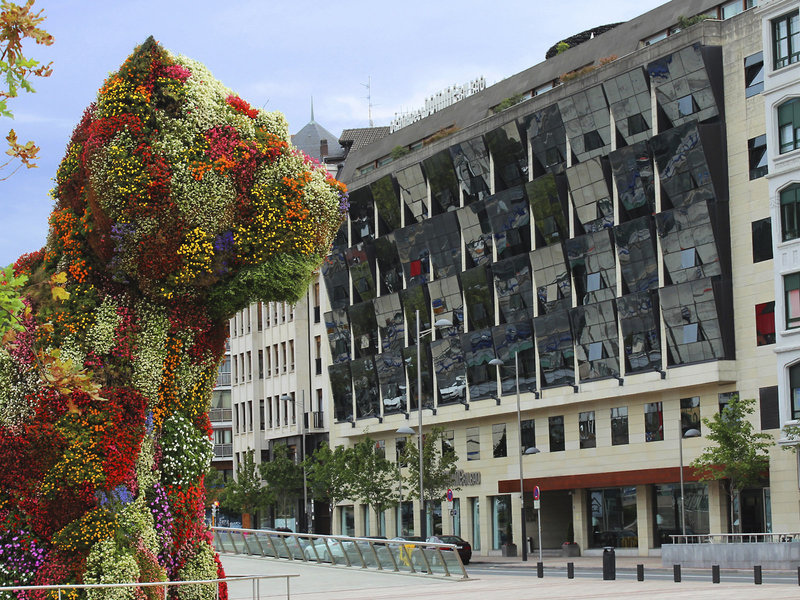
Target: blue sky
[{"x": 277, "y": 55}]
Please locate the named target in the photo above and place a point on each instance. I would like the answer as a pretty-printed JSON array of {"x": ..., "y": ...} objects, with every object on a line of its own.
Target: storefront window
[
  {"x": 406, "y": 518},
  {"x": 456, "y": 516},
  {"x": 667, "y": 510},
  {"x": 365, "y": 517},
  {"x": 348, "y": 521},
  {"x": 501, "y": 521},
  {"x": 613, "y": 513},
  {"x": 433, "y": 514},
  {"x": 476, "y": 523}
]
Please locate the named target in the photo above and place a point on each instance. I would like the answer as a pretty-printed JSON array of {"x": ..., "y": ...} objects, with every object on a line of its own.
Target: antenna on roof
[
  {"x": 312, "y": 109},
  {"x": 368, "y": 85}
]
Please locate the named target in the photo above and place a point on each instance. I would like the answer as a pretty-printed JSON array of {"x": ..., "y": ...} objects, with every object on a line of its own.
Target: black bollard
[
  {"x": 757, "y": 574},
  {"x": 540, "y": 569},
  {"x": 798, "y": 573},
  {"x": 570, "y": 570},
  {"x": 714, "y": 573},
  {"x": 609, "y": 564},
  {"x": 639, "y": 572},
  {"x": 676, "y": 573}
]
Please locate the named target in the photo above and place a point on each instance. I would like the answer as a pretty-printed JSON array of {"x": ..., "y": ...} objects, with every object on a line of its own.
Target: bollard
[
  {"x": 609, "y": 564},
  {"x": 540, "y": 569},
  {"x": 676, "y": 573},
  {"x": 714, "y": 573},
  {"x": 639, "y": 572},
  {"x": 570, "y": 570},
  {"x": 757, "y": 574},
  {"x": 798, "y": 571}
]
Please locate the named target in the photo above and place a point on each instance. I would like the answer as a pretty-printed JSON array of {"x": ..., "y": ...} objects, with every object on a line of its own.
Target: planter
[
  {"x": 572, "y": 549},
  {"x": 509, "y": 549}
]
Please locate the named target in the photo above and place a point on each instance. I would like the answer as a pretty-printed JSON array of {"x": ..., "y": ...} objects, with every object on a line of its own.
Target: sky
[{"x": 278, "y": 54}]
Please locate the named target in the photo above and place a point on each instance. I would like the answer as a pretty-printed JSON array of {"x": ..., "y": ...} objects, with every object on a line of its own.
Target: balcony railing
[
  {"x": 223, "y": 378},
  {"x": 317, "y": 419},
  {"x": 223, "y": 450},
  {"x": 220, "y": 415}
]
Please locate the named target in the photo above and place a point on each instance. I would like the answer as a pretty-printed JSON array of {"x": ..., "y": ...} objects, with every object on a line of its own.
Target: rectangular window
[
  {"x": 291, "y": 355},
  {"x": 448, "y": 441},
  {"x": 260, "y": 315},
  {"x": 754, "y": 74},
  {"x": 757, "y": 154},
  {"x": 270, "y": 422},
  {"x": 275, "y": 360},
  {"x": 249, "y": 415},
  {"x": 724, "y": 398},
  {"x": 592, "y": 141},
  {"x": 789, "y": 125},
  {"x": 791, "y": 285},
  {"x": 690, "y": 333},
  {"x": 765, "y": 323},
  {"x": 380, "y": 448},
  {"x": 556, "y": 430},
  {"x": 790, "y": 213},
  {"x": 768, "y": 400},
  {"x": 785, "y": 40},
  {"x": 653, "y": 422},
  {"x": 249, "y": 366},
  {"x": 690, "y": 414},
  {"x": 473, "y": 443},
  {"x": 687, "y": 106},
  {"x": 762, "y": 240},
  {"x": 731, "y": 9},
  {"x": 236, "y": 418},
  {"x": 586, "y": 429},
  {"x": 261, "y": 416},
  {"x": 399, "y": 450},
  {"x": 283, "y": 356},
  {"x": 794, "y": 390},
  {"x": 619, "y": 426},
  {"x": 261, "y": 364},
  {"x": 528, "y": 435},
  {"x": 637, "y": 124},
  {"x": 499, "y": 442},
  {"x": 247, "y": 318}
]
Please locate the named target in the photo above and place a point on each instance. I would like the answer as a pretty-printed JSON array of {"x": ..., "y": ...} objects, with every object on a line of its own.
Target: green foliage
[
  {"x": 507, "y": 103},
  {"x": 10, "y": 300},
  {"x": 373, "y": 478},
  {"x": 399, "y": 152},
  {"x": 562, "y": 47},
  {"x": 246, "y": 494},
  {"x": 284, "y": 479},
  {"x": 214, "y": 484},
  {"x": 327, "y": 474},
  {"x": 792, "y": 433},
  {"x": 439, "y": 468},
  {"x": 686, "y": 22}
]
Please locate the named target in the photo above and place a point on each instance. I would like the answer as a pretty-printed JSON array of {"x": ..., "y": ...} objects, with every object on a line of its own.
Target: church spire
[{"x": 312, "y": 109}]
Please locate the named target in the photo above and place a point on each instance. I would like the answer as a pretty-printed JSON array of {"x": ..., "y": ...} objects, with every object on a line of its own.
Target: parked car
[
  {"x": 457, "y": 391},
  {"x": 463, "y": 547}
]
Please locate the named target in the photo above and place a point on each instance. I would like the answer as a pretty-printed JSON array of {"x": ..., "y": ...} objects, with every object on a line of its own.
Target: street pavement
[{"x": 499, "y": 578}]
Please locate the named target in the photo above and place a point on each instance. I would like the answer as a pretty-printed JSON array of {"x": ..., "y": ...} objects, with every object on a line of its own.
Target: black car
[{"x": 462, "y": 546}]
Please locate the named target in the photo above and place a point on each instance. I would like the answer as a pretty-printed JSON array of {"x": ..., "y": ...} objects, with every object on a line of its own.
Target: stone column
[{"x": 644, "y": 518}]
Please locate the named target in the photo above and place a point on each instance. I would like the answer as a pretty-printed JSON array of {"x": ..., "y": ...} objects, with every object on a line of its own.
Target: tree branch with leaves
[{"x": 438, "y": 465}]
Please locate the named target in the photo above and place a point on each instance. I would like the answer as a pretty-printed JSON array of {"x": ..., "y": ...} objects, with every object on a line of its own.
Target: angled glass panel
[
  {"x": 478, "y": 350},
  {"x": 508, "y": 213},
  {"x": 596, "y": 340},
  {"x": 629, "y": 99},
  {"x": 593, "y": 265},
  {"x": 391, "y": 325},
  {"x": 391, "y": 270},
  {"x": 586, "y": 118},
  {"x": 548, "y": 137},
  {"x": 477, "y": 232},
  {"x": 451, "y": 370},
  {"x": 412, "y": 248},
  {"x": 365, "y": 388},
  {"x": 387, "y": 200},
  {"x": 510, "y": 155},
  {"x": 392, "y": 379},
  {"x": 365, "y": 328},
  {"x": 556, "y": 354},
  {"x": 547, "y": 209},
  {"x": 361, "y": 260},
  {"x": 691, "y": 316},
  {"x": 632, "y": 167},
  {"x": 342, "y": 390},
  {"x": 683, "y": 169},
  {"x": 639, "y": 325},
  {"x": 413, "y": 300},
  {"x": 362, "y": 215},
  {"x": 442, "y": 179},
  {"x": 444, "y": 242},
  {"x": 340, "y": 239},
  {"x": 471, "y": 163},
  {"x": 636, "y": 249},
  {"x": 591, "y": 195},
  {"x": 516, "y": 338},
  {"x": 338, "y": 328},
  {"x": 414, "y": 190},
  {"x": 337, "y": 279},
  {"x": 688, "y": 243},
  {"x": 551, "y": 277},
  {"x": 514, "y": 288},
  {"x": 478, "y": 298},
  {"x": 447, "y": 302},
  {"x": 410, "y": 360}
]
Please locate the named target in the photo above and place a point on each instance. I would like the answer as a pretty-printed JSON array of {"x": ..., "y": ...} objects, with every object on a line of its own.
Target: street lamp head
[
  {"x": 443, "y": 323},
  {"x": 496, "y": 362},
  {"x": 691, "y": 433},
  {"x": 287, "y": 398},
  {"x": 532, "y": 450},
  {"x": 406, "y": 430}
]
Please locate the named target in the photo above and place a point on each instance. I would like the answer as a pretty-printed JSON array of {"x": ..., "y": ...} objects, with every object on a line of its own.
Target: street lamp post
[
  {"x": 690, "y": 433},
  {"x": 287, "y": 397},
  {"x": 523, "y": 522}
]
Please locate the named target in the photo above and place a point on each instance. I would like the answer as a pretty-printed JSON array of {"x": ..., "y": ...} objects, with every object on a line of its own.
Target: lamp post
[
  {"x": 287, "y": 397},
  {"x": 499, "y": 363},
  {"x": 690, "y": 433},
  {"x": 406, "y": 430}
]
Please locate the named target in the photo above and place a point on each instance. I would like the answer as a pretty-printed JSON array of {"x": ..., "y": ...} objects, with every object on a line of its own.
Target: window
[
  {"x": 499, "y": 442},
  {"x": 556, "y": 428},
  {"x": 261, "y": 415},
  {"x": 592, "y": 141},
  {"x": 785, "y": 40},
  {"x": 687, "y": 106},
  {"x": 754, "y": 74},
  {"x": 448, "y": 441},
  {"x": 757, "y": 153},
  {"x": 637, "y": 124},
  {"x": 690, "y": 414},
  {"x": 249, "y": 415},
  {"x": 688, "y": 258},
  {"x": 291, "y": 355},
  {"x": 768, "y": 401},
  {"x": 731, "y": 9},
  {"x": 762, "y": 240},
  {"x": 528, "y": 435},
  {"x": 380, "y": 448},
  {"x": 794, "y": 387},
  {"x": 619, "y": 426},
  {"x": 791, "y": 285},
  {"x": 261, "y": 364},
  {"x": 790, "y": 213},
  {"x": 593, "y": 282},
  {"x": 400, "y": 450},
  {"x": 249, "y": 365},
  {"x": 789, "y": 125},
  {"x": 690, "y": 333},
  {"x": 473, "y": 443},
  {"x": 283, "y": 356},
  {"x": 765, "y": 323},
  {"x": 724, "y": 398},
  {"x": 260, "y": 316},
  {"x": 655, "y": 38},
  {"x": 653, "y": 422},
  {"x": 586, "y": 429}
]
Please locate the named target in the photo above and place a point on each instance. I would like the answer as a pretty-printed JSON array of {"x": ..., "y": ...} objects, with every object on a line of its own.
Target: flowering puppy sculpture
[{"x": 177, "y": 204}]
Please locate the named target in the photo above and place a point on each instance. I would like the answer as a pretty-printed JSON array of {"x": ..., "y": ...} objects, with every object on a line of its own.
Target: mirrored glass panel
[
  {"x": 362, "y": 215},
  {"x": 365, "y": 388},
  {"x": 629, "y": 98},
  {"x": 590, "y": 194},
  {"x": 338, "y": 328},
  {"x": 593, "y": 265},
  {"x": 682, "y": 166},
  {"x": 551, "y": 277},
  {"x": 413, "y": 300},
  {"x": 632, "y": 167},
  {"x": 447, "y": 302},
  {"x": 596, "y": 340},
  {"x": 510, "y": 154},
  {"x": 556, "y": 354},
  {"x": 548, "y": 138},
  {"x": 442, "y": 179},
  {"x": 687, "y": 243},
  {"x": 587, "y": 122},
  {"x": 509, "y": 216},
  {"x": 361, "y": 260},
  {"x": 641, "y": 336},
  {"x": 478, "y": 351},
  {"x": 478, "y": 298},
  {"x": 547, "y": 209},
  {"x": 410, "y": 359},
  {"x": 471, "y": 163},
  {"x": 444, "y": 243},
  {"x": 516, "y": 338},
  {"x": 342, "y": 390},
  {"x": 414, "y": 190},
  {"x": 337, "y": 279},
  {"x": 391, "y": 270},
  {"x": 477, "y": 232},
  {"x": 365, "y": 328},
  {"x": 392, "y": 379},
  {"x": 387, "y": 200},
  {"x": 636, "y": 250},
  {"x": 451, "y": 373},
  {"x": 412, "y": 248},
  {"x": 514, "y": 288},
  {"x": 391, "y": 325}
]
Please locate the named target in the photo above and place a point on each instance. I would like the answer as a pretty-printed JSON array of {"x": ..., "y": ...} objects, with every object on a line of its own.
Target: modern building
[{"x": 602, "y": 219}]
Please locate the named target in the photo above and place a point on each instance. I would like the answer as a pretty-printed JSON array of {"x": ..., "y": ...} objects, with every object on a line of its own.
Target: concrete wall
[{"x": 770, "y": 555}]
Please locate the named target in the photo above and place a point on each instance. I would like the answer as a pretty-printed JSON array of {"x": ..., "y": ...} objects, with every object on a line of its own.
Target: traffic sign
[
  {"x": 536, "y": 492},
  {"x": 449, "y": 495},
  {"x": 537, "y": 504}
]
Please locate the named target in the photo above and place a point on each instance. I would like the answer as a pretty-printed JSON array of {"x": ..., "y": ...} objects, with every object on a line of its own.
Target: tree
[
  {"x": 246, "y": 494},
  {"x": 327, "y": 474},
  {"x": 373, "y": 478},
  {"x": 214, "y": 484},
  {"x": 740, "y": 455},
  {"x": 16, "y": 24},
  {"x": 438, "y": 465},
  {"x": 284, "y": 479}
]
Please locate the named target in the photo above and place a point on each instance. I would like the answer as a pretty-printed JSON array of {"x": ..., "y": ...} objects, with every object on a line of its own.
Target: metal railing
[
  {"x": 365, "y": 553},
  {"x": 220, "y": 415},
  {"x": 734, "y": 538},
  {"x": 65, "y": 589},
  {"x": 223, "y": 450}
]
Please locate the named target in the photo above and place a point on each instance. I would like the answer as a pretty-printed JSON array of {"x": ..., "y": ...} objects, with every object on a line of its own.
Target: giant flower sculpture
[{"x": 176, "y": 205}]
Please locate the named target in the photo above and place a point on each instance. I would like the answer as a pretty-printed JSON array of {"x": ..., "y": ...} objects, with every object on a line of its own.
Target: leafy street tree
[
  {"x": 214, "y": 484},
  {"x": 438, "y": 465},
  {"x": 740, "y": 455},
  {"x": 373, "y": 478},
  {"x": 16, "y": 24},
  {"x": 327, "y": 474},
  {"x": 246, "y": 494},
  {"x": 284, "y": 479}
]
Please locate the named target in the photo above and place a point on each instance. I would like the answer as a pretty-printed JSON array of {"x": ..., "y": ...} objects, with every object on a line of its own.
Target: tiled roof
[{"x": 361, "y": 136}]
